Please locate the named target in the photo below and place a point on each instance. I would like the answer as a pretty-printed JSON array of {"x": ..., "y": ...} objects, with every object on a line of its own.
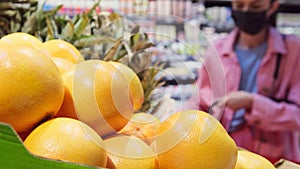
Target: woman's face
[{"x": 251, "y": 5}]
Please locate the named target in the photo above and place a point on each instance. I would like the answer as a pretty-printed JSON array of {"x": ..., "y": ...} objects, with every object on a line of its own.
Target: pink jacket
[{"x": 272, "y": 127}]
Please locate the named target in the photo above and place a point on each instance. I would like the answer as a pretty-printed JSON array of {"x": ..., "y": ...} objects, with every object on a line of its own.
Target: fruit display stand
[
  {"x": 14, "y": 154},
  {"x": 132, "y": 52}
]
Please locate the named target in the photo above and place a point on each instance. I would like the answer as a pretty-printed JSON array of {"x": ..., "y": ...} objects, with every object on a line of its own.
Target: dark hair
[{"x": 272, "y": 19}]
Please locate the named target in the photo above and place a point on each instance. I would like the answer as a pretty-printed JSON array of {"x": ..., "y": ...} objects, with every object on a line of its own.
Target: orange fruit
[
  {"x": 3, "y": 44},
  {"x": 31, "y": 89},
  {"x": 66, "y": 68},
  {"x": 249, "y": 160},
  {"x": 67, "y": 108},
  {"x": 101, "y": 96},
  {"x": 21, "y": 39},
  {"x": 68, "y": 77},
  {"x": 69, "y": 140},
  {"x": 194, "y": 139},
  {"x": 63, "y": 49},
  {"x": 24, "y": 39},
  {"x": 135, "y": 85},
  {"x": 129, "y": 152},
  {"x": 142, "y": 125},
  {"x": 63, "y": 65}
]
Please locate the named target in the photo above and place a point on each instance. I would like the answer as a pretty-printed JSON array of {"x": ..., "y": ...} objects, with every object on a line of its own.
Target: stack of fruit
[{"x": 69, "y": 109}]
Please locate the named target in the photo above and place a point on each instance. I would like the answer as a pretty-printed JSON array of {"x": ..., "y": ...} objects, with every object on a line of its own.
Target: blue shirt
[{"x": 249, "y": 60}]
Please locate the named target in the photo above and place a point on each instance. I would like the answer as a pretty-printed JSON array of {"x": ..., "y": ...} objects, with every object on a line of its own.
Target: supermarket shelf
[
  {"x": 159, "y": 20},
  {"x": 211, "y": 3},
  {"x": 290, "y": 6},
  {"x": 291, "y": 2}
]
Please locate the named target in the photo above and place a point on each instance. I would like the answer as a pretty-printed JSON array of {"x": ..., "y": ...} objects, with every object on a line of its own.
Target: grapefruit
[
  {"x": 135, "y": 85},
  {"x": 31, "y": 90},
  {"x": 67, "y": 108},
  {"x": 63, "y": 49},
  {"x": 68, "y": 140},
  {"x": 194, "y": 139},
  {"x": 21, "y": 39},
  {"x": 63, "y": 65},
  {"x": 142, "y": 125},
  {"x": 101, "y": 96},
  {"x": 129, "y": 152},
  {"x": 249, "y": 160},
  {"x": 24, "y": 39}
]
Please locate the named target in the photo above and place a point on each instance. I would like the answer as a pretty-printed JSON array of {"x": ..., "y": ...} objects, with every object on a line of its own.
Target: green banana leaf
[{"x": 13, "y": 154}]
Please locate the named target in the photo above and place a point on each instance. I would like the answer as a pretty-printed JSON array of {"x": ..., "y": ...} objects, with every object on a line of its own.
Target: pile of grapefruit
[{"x": 73, "y": 110}]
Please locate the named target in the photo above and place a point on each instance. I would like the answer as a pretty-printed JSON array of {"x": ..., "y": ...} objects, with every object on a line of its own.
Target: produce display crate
[{"x": 13, "y": 154}]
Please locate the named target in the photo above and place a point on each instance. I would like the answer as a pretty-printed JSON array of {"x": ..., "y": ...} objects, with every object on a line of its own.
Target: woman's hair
[{"x": 272, "y": 19}]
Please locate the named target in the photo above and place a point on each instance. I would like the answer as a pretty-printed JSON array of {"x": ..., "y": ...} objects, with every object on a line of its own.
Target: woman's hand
[{"x": 235, "y": 101}]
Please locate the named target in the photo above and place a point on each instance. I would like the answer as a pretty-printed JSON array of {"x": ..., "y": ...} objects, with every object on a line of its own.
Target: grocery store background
[
  {"x": 181, "y": 29},
  {"x": 164, "y": 42}
]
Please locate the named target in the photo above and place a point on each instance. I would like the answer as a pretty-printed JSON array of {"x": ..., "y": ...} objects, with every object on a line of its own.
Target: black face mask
[{"x": 250, "y": 22}]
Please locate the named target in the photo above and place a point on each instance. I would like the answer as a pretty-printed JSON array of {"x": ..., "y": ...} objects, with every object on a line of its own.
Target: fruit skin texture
[
  {"x": 69, "y": 140},
  {"x": 21, "y": 39},
  {"x": 129, "y": 152},
  {"x": 63, "y": 49},
  {"x": 67, "y": 108},
  {"x": 135, "y": 86},
  {"x": 63, "y": 65},
  {"x": 249, "y": 160},
  {"x": 112, "y": 96},
  {"x": 31, "y": 87},
  {"x": 142, "y": 125},
  {"x": 103, "y": 88},
  {"x": 3, "y": 44},
  {"x": 24, "y": 39},
  {"x": 194, "y": 140}
]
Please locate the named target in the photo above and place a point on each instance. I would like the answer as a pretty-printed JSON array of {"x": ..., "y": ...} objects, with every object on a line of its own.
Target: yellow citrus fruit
[
  {"x": 101, "y": 96},
  {"x": 63, "y": 49},
  {"x": 194, "y": 139},
  {"x": 67, "y": 69},
  {"x": 69, "y": 140},
  {"x": 24, "y": 39},
  {"x": 249, "y": 160},
  {"x": 142, "y": 125},
  {"x": 67, "y": 108},
  {"x": 129, "y": 152},
  {"x": 68, "y": 78},
  {"x": 135, "y": 85},
  {"x": 3, "y": 44},
  {"x": 31, "y": 89},
  {"x": 21, "y": 39},
  {"x": 63, "y": 65}
]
